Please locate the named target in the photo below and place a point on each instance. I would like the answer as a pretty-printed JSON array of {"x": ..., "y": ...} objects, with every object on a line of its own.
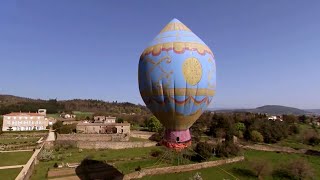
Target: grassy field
[
  {"x": 82, "y": 115},
  {"x": 237, "y": 170},
  {"x": 25, "y": 133},
  {"x": 9, "y": 174},
  {"x": 14, "y": 158},
  {"x": 6, "y": 141},
  {"x": 126, "y": 160},
  {"x": 296, "y": 141},
  {"x": 56, "y": 116}
]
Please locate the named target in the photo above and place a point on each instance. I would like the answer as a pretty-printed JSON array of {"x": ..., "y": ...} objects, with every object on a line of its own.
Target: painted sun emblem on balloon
[{"x": 192, "y": 71}]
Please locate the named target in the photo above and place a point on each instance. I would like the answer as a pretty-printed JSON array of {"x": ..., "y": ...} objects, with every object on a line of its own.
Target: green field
[
  {"x": 6, "y": 141},
  {"x": 25, "y": 133},
  {"x": 9, "y": 174},
  {"x": 237, "y": 170},
  {"x": 296, "y": 141},
  {"x": 126, "y": 160},
  {"x": 56, "y": 116},
  {"x": 82, "y": 115},
  {"x": 14, "y": 158}
]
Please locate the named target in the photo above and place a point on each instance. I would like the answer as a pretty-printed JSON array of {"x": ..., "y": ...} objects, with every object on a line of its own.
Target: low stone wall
[
  {"x": 273, "y": 148},
  {"x": 112, "y": 145},
  {"x": 183, "y": 168},
  {"x": 26, "y": 172},
  {"x": 141, "y": 134},
  {"x": 92, "y": 137}
]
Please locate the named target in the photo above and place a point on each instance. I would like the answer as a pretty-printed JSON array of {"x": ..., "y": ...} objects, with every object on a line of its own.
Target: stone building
[
  {"x": 103, "y": 128},
  {"x": 104, "y": 119},
  {"x": 21, "y": 121}
]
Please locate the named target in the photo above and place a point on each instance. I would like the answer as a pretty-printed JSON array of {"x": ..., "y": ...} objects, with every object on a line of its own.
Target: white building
[
  {"x": 274, "y": 118},
  {"x": 20, "y": 121}
]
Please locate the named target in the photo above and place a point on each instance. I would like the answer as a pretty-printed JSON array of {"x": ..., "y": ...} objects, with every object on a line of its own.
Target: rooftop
[
  {"x": 23, "y": 114},
  {"x": 103, "y": 124}
]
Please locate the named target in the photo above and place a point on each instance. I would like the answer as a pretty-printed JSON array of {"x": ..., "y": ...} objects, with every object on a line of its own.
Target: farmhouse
[
  {"x": 104, "y": 119},
  {"x": 67, "y": 116},
  {"x": 103, "y": 128},
  {"x": 21, "y": 121},
  {"x": 275, "y": 118}
]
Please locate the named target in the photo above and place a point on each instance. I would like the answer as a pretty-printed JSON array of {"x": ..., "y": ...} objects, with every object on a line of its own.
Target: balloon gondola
[{"x": 177, "y": 81}]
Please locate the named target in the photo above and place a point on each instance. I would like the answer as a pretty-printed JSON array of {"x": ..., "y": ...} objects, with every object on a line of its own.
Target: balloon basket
[{"x": 176, "y": 146}]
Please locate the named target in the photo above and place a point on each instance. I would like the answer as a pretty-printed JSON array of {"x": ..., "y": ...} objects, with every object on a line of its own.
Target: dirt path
[
  {"x": 11, "y": 167},
  {"x": 23, "y": 150},
  {"x": 51, "y": 136}
]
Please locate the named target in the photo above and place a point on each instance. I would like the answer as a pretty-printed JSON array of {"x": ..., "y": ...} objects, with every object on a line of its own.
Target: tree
[
  {"x": 224, "y": 123},
  {"x": 290, "y": 118},
  {"x": 57, "y": 125},
  {"x": 303, "y": 118},
  {"x": 227, "y": 149},
  {"x": 120, "y": 120},
  {"x": 296, "y": 169},
  {"x": 240, "y": 128},
  {"x": 64, "y": 129},
  {"x": 204, "y": 150},
  {"x": 255, "y": 136},
  {"x": 67, "y": 129},
  {"x": 1, "y": 122},
  {"x": 153, "y": 124},
  {"x": 260, "y": 167}
]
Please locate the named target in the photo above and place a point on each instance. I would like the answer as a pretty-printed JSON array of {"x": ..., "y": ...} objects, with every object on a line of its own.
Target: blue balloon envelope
[{"x": 177, "y": 80}]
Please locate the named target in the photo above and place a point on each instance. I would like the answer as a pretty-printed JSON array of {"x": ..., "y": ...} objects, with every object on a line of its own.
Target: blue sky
[{"x": 267, "y": 52}]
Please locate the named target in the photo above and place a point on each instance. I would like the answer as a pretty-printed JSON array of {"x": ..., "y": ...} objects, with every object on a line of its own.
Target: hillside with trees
[
  {"x": 269, "y": 109},
  {"x": 9, "y": 103}
]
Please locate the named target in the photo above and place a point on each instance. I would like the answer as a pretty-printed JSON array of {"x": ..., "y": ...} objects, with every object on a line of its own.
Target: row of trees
[{"x": 253, "y": 127}]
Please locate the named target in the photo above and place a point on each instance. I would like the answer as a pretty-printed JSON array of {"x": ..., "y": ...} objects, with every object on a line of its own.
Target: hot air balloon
[{"x": 177, "y": 80}]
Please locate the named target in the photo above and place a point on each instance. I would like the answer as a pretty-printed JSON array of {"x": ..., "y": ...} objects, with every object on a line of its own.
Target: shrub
[
  {"x": 296, "y": 169},
  {"x": 153, "y": 124},
  {"x": 294, "y": 129},
  {"x": 156, "y": 153},
  {"x": 227, "y": 149},
  {"x": 260, "y": 167},
  {"x": 138, "y": 168},
  {"x": 197, "y": 176},
  {"x": 46, "y": 155},
  {"x": 55, "y": 165},
  {"x": 314, "y": 140},
  {"x": 60, "y": 157},
  {"x": 255, "y": 136},
  {"x": 204, "y": 150}
]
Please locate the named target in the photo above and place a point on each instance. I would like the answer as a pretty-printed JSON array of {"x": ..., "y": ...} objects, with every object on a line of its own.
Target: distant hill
[
  {"x": 10, "y": 99},
  {"x": 9, "y": 103},
  {"x": 270, "y": 109},
  {"x": 277, "y": 110},
  {"x": 316, "y": 111}
]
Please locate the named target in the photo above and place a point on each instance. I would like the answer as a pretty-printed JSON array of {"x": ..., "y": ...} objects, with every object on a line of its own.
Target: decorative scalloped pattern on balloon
[
  {"x": 177, "y": 47},
  {"x": 175, "y": 26}
]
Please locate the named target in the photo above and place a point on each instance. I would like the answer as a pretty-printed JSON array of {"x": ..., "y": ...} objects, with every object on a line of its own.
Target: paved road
[
  {"x": 51, "y": 136},
  {"x": 11, "y": 167}
]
